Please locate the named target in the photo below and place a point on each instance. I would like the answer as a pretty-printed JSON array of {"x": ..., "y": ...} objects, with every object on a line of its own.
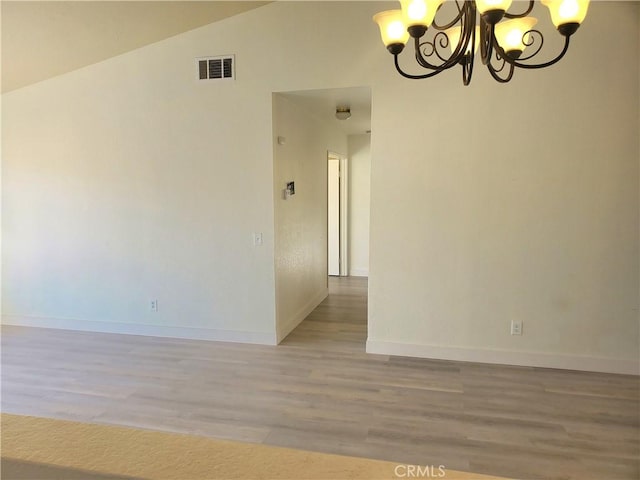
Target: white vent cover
[{"x": 216, "y": 68}]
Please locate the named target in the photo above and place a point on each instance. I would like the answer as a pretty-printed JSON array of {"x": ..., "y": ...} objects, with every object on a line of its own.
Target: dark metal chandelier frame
[{"x": 431, "y": 55}]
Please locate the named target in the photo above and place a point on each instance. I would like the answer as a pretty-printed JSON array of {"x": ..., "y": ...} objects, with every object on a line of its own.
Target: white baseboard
[
  {"x": 506, "y": 357},
  {"x": 192, "y": 333},
  {"x": 287, "y": 325},
  {"x": 359, "y": 272}
]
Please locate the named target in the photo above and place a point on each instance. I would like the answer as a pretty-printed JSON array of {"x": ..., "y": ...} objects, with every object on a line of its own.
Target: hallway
[{"x": 339, "y": 322}]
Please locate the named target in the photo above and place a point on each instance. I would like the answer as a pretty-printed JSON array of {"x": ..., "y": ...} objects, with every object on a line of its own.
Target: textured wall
[{"x": 301, "y": 219}]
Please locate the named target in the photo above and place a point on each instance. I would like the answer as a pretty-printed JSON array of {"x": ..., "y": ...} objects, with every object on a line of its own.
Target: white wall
[
  {"x": 126, "y": 180},
  {"x": 359, "y": 200},
  {"x": 301, "y": 219},
  {"x": 527, "y": 211}
]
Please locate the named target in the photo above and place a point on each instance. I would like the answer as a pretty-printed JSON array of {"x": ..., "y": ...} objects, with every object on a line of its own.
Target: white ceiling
[
  {"x": 323, "y": 103},
  {"x": 43, "y": 39}
]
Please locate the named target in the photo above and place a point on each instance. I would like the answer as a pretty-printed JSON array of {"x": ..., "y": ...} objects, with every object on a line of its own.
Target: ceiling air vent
[{"x": 216, "y": 68}]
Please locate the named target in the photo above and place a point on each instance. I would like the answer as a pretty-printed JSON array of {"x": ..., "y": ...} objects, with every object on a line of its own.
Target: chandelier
[{"x": 502, "y": 36}]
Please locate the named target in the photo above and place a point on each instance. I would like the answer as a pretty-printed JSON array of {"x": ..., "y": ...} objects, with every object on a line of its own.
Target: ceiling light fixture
[
  {"x": 501, "y": 36},
  {"x": 343, "y": 113}
]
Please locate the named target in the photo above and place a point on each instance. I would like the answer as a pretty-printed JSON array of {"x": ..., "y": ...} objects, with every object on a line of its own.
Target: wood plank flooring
[{"x": 320, "y": 391}]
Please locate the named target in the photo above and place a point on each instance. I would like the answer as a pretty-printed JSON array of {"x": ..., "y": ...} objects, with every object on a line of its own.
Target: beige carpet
[{"x": 56, "y": 449}]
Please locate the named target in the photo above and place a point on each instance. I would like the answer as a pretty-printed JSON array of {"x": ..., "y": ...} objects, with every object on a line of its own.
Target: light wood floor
[{"x": 320, "y": 391}]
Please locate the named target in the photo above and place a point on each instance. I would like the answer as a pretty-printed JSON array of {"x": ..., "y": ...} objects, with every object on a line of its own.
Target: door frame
[{"x": 344, "y": 210}]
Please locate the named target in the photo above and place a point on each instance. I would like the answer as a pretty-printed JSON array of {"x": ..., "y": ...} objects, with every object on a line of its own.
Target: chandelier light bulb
[
  {"x": 568, "y": 9},
  {"x": 565, "y": 12},
  {"x": 392, "y": 29},
  {"x": 395, "y": 30},
  {"x": 513, "y": 35},
  {"x": 419, "y": 12},
  {"x": 485, "y": 6}
]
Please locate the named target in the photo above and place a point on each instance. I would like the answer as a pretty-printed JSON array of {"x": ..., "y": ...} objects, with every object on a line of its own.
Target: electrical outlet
[
  {"x": 153, "y": 305},
  {"x": 516, "y": 327}
]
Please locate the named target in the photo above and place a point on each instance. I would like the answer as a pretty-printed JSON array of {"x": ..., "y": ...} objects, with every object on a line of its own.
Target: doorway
[
  {"x": 337, "y": 213},
  {"x": 306, "y": 133}
]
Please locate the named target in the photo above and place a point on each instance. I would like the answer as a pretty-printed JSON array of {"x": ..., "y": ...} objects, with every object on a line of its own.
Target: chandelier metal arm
[
  {"x": 530, "y": 43},
  {"x": 530, "y": 66},
  {"x": 494, "y": 72},
  {"x": 413, "y": 77},
  {"x": 442, "y": 40},
  {"x": 467, "y": 61},
  {"x": 550, "y": 62},
  {"x": 421, "y": 58},
  {"x": 444, "y": 43},
  {"x": 467, "y": 69},
  {"x": 521, "y": 15},
  {"x": 487, "y": 39},
  {"x": 461, "y": 11},
  {"x": 468, "y": 35}
]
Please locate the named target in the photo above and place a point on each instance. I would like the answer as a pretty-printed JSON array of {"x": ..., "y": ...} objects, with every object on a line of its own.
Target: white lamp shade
[
  {"x": 454, "y": 37},
  {"x": 512, "y": 34},
  {"x": 567, "y": 11},
  {"x": 392, "y": 28},
  {"x": 488, "y": 5},
  {"x": 419, "y": 12}
]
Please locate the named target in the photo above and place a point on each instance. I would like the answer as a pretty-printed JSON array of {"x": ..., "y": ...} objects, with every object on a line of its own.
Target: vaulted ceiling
[{"x": 43, "y": 39}]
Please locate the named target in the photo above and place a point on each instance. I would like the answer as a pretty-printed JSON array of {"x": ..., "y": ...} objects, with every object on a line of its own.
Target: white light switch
[
  {"x": 516, "y": 327},
  {"x": 257, "y": 239}
]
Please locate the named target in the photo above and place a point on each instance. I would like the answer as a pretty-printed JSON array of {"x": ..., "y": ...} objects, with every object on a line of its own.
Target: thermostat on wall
[{"x": 291, "y": 188}]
